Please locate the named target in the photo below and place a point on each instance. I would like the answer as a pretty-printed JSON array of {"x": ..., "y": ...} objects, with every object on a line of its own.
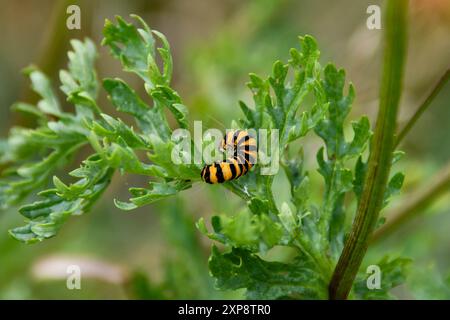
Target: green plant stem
[
  {"x": 238, "y": 191},
  {"x": 415, "y": 203},
  {"x": 380, "y": 158},
  {"x": 269, "y": 195},
  {"x": 321, "y": 261},
  {"x": 424, "y": 106}
]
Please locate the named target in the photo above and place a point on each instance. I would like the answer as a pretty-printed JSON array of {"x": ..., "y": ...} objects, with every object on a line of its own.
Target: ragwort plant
[{"x": 299, "y": 98}]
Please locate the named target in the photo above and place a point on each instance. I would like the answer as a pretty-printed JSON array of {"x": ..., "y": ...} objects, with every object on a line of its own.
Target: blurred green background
[{"x": 156, "y": 252}]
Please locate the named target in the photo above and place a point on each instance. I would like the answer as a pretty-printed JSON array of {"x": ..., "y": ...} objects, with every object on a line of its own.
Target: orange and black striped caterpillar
[{"x": 244, "y": 156}]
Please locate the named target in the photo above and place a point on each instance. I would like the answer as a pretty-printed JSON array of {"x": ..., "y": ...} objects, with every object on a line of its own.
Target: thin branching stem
[
  {"x": 424, "y": 106},
  {"x": 380, "y": 159}
]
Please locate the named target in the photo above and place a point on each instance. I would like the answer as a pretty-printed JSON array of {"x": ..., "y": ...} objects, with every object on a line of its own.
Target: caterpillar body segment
[
  {"x": 244, "y": 157},
  {"x": 220, "y": 172}
]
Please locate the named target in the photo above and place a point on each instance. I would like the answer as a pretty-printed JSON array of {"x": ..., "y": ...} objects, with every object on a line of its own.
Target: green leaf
[
  {"x": 254, "y": 232},
  {"x": 169, "y": 98},
  {"x": 166, "y": 57},
  {"x": 135, "y": 48},
  {"x": 40, "y": 83},
  {"x": 362, "y": 134},
  {"x": 125, "y": 99},
  {"x": 46, "y": 217},
  {"x": 157, "y": 191},
  {"x": 331, "y": 129},
  {"x": 240, "y": 229},
  {"x": 263, "y": 279},
  {"x": 29, "y": 109},
  {"x": 116, "y": 144},
  {"x": 393, "y": 187},
  {"x": 115, "y": 130},
  {"x": 80, "y": 82},
  {"x": 161, "y": 155},
  {"x": 54, "y": 142},
  {"x": 131, "y": 45},
  {"x": 18, "y": 182},
  {"x": 289, "y": 220},
  {"x": 298, "y": 180}
]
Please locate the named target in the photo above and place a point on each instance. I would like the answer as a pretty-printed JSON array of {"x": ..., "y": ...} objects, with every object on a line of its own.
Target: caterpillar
[{"x": 244, "y": 156}]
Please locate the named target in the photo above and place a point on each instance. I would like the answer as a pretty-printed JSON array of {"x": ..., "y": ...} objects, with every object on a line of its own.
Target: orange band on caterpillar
[{"x": 244, "y": 156}]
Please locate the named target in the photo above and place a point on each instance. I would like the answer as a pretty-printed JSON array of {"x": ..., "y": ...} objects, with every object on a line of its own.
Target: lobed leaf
[
  {"x": 46, "y": 217},
  {"x": 263, "y": 279}
]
